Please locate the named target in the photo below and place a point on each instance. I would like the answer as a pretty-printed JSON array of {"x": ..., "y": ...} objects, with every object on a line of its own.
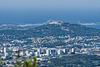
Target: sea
[
  {"x": 93, "y": 26},
  {"x": 41, "y": 17}
]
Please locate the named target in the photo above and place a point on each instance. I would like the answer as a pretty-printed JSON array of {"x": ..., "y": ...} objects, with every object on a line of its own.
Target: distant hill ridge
[
  {"x": 52, "y": 34},
  {"x": 55, "y": 28},
  {"x": 59, "y": 28}
]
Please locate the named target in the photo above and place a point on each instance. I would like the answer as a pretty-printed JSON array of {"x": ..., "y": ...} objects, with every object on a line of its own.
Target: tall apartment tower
[
  {"x": 66, "y": 51},
  {"x": 5, "y": 51},
  {"x": 59, "y": 51},
  {"x": 73, "y": 50},
  {"x": 37, "y": 54},
  {"x": 48, "y": 52}
]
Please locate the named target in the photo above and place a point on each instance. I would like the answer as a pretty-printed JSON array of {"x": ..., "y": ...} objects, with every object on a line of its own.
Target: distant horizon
[
  {"x": 37, "y": 11},
  {"x": 87, "y": 24},
  {"x": 36, "y": 17}
]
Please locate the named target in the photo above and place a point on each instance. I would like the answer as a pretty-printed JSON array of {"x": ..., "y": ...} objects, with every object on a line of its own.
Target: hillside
[
  {"x": 72, "y": 61},
  {"x": 62, "y": 29},
  {"x": 52, "y": 34}
]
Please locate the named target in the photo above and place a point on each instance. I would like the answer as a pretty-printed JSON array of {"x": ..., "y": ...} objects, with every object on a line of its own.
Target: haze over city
[
  {"x": 49, "y": 33},
  {"x": 40, "y": 11}
]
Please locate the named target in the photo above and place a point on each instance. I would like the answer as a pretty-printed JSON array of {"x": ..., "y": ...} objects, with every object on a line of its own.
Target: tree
[
  {"x": 0, "y": 62},
  {"x": 27, "y": 63},
  {"x": 34, "y": 63},
  {"x": 18, "y": 53}
]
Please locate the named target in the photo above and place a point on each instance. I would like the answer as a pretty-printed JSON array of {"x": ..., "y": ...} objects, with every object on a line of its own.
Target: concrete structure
[
  {"x": 48, "y": 52},
  {"x": 73, "y": 50}
]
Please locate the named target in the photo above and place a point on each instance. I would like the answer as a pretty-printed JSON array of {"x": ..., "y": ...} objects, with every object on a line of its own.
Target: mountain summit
[
  {"x": 59, "y": 28},
  {"x": 55, "y": 33},
  {"x": 56, "y": 22}
]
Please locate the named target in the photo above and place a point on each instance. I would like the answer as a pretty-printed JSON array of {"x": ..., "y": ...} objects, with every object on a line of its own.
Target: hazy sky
[
  {"x": 33, "y": 10},
  {"x": 49, "y": 4}
]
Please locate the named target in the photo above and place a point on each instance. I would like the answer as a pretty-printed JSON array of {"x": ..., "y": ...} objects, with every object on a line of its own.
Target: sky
[
  {"x": 49, "y": 4},
  {"x": 42, "y": 10}
]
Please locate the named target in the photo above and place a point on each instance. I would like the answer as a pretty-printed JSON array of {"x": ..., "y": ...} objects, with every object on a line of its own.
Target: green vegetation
[
  {"x": 73, "y": 61},
  {"x": 50, "y": 30},
  {"x": 27, "y": 63},
  {"x": 18, "y": 54},
  {"x": 0, "y": 62}
]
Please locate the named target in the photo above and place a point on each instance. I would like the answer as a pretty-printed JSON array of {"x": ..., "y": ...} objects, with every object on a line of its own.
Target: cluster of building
[
  {"x": 41, "y": 52},
  {"x": 9, "y": 55}
]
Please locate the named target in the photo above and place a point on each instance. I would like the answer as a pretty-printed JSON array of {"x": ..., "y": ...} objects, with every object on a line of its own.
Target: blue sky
[
  {"x": 43, "y": 10},
  {"x": 49, "y": 4}
]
